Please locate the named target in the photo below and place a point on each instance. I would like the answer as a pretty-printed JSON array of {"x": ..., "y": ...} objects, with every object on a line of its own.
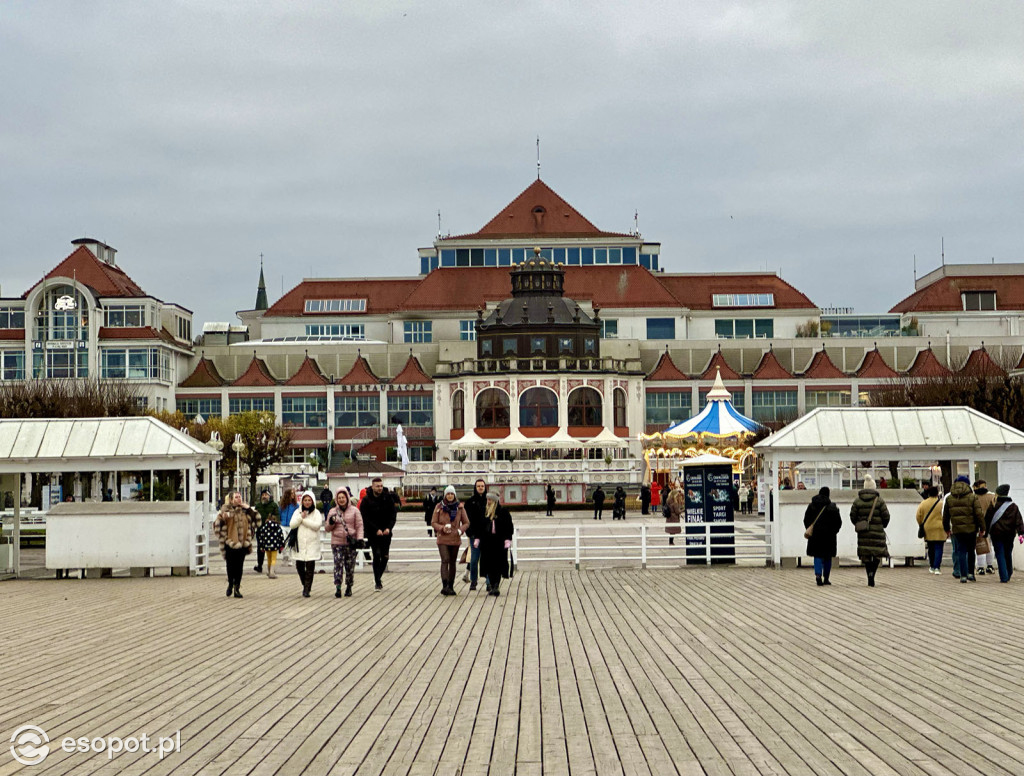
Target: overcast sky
[{"x": 831, "y": 141}]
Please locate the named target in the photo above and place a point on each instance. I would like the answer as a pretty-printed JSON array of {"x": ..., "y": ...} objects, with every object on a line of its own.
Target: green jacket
[
  {"x": 962, "y": 512},
  {"x": 872, "y": 542},
  {"x": 266, "y": 510}
]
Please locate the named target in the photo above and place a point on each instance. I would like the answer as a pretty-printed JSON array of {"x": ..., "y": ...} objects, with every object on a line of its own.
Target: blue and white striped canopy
[{"x": 718, "y": 418}]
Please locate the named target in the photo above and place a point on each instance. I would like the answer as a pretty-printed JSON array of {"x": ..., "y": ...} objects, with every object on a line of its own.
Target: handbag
[
  {"x": 810, "y": 529},
  {"x": 293, "y": 539},
  {"x": 464, "y": 556},
  {"x": 862, "y": 525},
  {"x": 920, "y": 528}
]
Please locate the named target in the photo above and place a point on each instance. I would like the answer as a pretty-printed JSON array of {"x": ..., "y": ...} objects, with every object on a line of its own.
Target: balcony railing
[{"x": 498, "y": 365}]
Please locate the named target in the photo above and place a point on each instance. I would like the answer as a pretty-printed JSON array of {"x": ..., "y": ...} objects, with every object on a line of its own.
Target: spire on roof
[
  {"x": 718, "y": 391},
  {"x": 261, "y": 290}
]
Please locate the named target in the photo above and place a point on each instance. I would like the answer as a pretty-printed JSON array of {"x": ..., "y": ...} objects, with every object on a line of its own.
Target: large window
[
  {"x": 184, "y": 329},
  {"x": 335, "y": 305},
  {"x": 619, "y": 408},
  {"x": 667, "y": 407},
  {"x": 492, "y": 409},
  {"x": 738, "y": 400},
  {"x": 238, "y": 405},
  {"x": 356, "y": 411},
  {"x": 827, "y": 399},
  {"x": 610, "y": 328},
  {"x": 123, "y": 316},
  {"x": 661, "y": 328},
  {"x": 60, "y": 363},
  {"x": 459, "y": 409},
  {"x": 744, "y": 328},
  {"x": 417, "y": 453},
  {"x": 467, "y": 330},
  {"x": 743, "y": 300},
  {"x": 411, "y": 410},
  {"x": 769, "y": 406},
  {"x": 63, "y": 315},
  {"x": 585, "y": 407},
  {"x": 979, "y": 300},
  {"x": 208, "y": 408},
  {"x": 12, "y": 318},
  {"x": 304, "y": 411},
  {"x": 860, "y": 325},
  {"x": 14, "y": 365},
  {"x": 538, "y": 407},
  {"x": 135, "y": 364},
  {"x": 417, "y": 331},
  {"x": 349, "y": 330}
]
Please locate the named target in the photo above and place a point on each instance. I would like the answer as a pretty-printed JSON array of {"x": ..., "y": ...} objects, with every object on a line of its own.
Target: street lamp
[
  {"x": 217, "y": 444},
  {"x": 238, "y": 446}
]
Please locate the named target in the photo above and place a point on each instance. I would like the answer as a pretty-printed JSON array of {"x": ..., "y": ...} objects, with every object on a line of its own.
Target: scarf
[{"x": 452, "y": 509}]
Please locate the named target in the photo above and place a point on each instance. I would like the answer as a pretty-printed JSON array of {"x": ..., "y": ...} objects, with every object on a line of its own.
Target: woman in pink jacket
[{"x": 345, "y": 525}]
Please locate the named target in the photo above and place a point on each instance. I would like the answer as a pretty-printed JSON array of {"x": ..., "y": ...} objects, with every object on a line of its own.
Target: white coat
[{"x": 309, "y": 524}]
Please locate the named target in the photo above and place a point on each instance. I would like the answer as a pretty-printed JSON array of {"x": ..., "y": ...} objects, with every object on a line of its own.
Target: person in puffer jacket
[
  {"x": 872, "y": 545},
  {"x": 308, "y": 520},
  {"x": 345, "y": 525},
  {"x": 963, "y": 521}
]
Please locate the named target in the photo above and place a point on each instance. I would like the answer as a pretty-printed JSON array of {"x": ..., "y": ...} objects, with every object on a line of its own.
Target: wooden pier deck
[{"x": 614, "y": 671}]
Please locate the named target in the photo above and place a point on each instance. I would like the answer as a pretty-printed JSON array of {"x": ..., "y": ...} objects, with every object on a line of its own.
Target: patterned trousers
[{"x": 344, "y": 561}]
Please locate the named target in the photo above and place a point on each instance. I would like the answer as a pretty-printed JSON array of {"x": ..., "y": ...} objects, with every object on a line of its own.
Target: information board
[{"x": 708, "y": 491}]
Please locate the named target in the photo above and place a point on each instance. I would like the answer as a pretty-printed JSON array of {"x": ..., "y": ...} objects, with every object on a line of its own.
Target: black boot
[
  {"x": 348, "y": 590},
  {"x": 231, "y": 588},
  {"x": 818, "y": 580},
  {"x": 238, "y": 593},
  {"x": 337, "y": 591}
]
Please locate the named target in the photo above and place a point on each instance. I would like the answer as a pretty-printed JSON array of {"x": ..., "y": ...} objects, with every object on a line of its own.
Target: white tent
[
  {"x": 470, "y": 441},
  {"x": 514, "y": 441},
  {"x": 606, "y": 439}
]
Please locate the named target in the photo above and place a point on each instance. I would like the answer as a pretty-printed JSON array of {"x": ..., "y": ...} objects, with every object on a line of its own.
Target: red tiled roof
[
  {"x": 257, "y": 373},
  {"x": 696, "y": 291},
  {"x": 412, "y": 374},
  {"x": 359, "y": 374},
  {"x": 874, "y": 367},
  {"x": 308, "y": 373},
  {"x": 980, "y": 364},
  {"x": 821, "y": 367},
  {"x": 666, "y": 369},
  {"x": 538, "y": 211},
  {"x": 944, "y": 294},
  {"x": 140, "y": 333},
  {"x": 382, "y": 295},
  {"x": 718, "y": 362},
  {"x": 927, "y": 365},
  {"x": 469, "y": 288},
  {"x": 205, "y": 375},
  {"x": 771, "y": 369},
  {"x": 104, "y": 279},
  {"x": 12, "y": 334}
]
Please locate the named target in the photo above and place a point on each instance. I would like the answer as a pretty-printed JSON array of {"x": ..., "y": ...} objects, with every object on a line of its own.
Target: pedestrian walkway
[{"x": 614, "y": 671}]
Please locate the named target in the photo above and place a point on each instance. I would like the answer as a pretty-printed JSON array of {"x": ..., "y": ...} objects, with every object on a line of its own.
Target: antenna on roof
[
  {"x": 439, "y": 222},
  {"x": 538, "y": 157},
  {"x": 915, "y": 267},
  {"x": 942, "y": 244},
  {"x": 636, "y": 223}
]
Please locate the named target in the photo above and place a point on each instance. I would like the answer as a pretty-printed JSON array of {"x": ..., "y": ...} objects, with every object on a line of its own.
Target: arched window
[
  {"x": 619, "y": 397},
  {"x": 458, "y": 410},
  {"x": 538, "y": 407},
  {"x": 585, "y": 407},
  {"x": 492, "y": 409}
]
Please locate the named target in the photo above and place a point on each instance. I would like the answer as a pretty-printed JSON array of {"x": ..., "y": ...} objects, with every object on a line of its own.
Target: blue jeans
[
  {"x": 474, "y": 562},
  {"x": 1004, "y": 558},
  {"x": 935, "y": 554},
  {"x": 963, "y": 549},
  {"x": 956, "y": 555},
  {"x": 822, "y": 567}
]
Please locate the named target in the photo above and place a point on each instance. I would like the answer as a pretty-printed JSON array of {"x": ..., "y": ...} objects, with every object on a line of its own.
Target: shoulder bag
[
  {"x": 862, "y": 525},
  {"x": 920, "y": 528},
  {"x": 810, "y": 529}
]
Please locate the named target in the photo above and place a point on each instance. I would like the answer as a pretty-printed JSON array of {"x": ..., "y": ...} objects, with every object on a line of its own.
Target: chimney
[{"x": 100, "y": 250}]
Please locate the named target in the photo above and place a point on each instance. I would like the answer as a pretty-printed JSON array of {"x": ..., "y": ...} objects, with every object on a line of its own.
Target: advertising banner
[{"x": 708, "y": 492}]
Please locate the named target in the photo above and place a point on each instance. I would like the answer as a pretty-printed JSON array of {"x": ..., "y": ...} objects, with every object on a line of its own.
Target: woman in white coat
[{"x": 308, "y": 520}]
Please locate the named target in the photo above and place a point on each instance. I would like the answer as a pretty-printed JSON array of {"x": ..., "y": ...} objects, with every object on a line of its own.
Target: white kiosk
[{"x": 100, "y": 535}]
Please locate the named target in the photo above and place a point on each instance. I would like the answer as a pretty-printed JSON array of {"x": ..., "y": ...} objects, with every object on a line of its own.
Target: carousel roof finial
[{"x": 718, "y": 391}]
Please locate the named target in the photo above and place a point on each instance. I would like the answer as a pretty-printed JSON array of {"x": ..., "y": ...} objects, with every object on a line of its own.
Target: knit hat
[
  {"x": 1003, "y": 490},
  {"x": 869, "y": 482},
  {"x": 451, "y": 489},
  {"x": 492, "y": 496},
  {"x": 964, "y": 479}
]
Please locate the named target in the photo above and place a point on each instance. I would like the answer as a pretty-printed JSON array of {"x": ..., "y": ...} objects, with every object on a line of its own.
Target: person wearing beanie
[
  {"x": 379, "y": 515},
  {"x": 308, "y": 520},
  {"x": 449, "y": 523},
  {"x": 963, "y": 521},
  {"x": 824, "y": 516},
  {"x": 494, "y": 542},
  {"x": 929, "y": 517},
  {"x": 345, "y": 525},
  {"x": 476, "y": 505},
  {"x": 984, "y": 556},
  {"x": 1003, "y": 522},
  {"x": 870, "y": 517}
]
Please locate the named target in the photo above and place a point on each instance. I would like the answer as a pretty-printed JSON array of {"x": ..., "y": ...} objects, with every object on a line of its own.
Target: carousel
[{"x": 719, "y": 430}]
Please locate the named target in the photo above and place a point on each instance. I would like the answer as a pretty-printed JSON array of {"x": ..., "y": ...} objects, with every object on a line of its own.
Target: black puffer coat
[
  {"x": 871, "y": 543},
  {"x": 822, "y": 543},
  {"x": 1009, "y": 523}
]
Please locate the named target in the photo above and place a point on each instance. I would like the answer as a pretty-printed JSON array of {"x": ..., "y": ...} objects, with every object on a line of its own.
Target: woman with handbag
[
  {"x": 307, "y": 520},
  {"x": 494, "y": 542},
  {"x": 870, "y": 517},
  {"x": 929, "y": 521},
  {"x": 823, "y": 522},
  {"x": 675, "y": 506},
  {"x": 449, "y": 523},
  {"x": 234, "y": 530},
  {"x": 345, "y": 525}
]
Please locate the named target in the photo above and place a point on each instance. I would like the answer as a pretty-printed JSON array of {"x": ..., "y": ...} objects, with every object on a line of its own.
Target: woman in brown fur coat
[{"x": 234, "y": 530}]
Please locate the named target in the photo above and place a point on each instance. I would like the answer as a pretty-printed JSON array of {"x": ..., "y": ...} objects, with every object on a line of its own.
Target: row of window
[
  {"x": 743, "y": 300},
  {"x": 744, "y": 328},
  {"x": 540, "y": 346},
  {"x": 135, "y": 364},
  {"x": 351, "y": 330},
  {"x": 666, "y": 408},
  {"x": 335, "y": 306},
  {"x": 12, "y": 318},
  {"x": 505, "y": 257},
  {"x": 538, "y": 407},
  {"x": 311, "y": 411}
]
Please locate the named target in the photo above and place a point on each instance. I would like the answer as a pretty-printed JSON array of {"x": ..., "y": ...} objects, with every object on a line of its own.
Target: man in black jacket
[
  {"x": 379, "y": 515},
  {"x": 476, "y": 507},
  {"x": 598, "y": 502},
  {"x": 430, "y": 501}
]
